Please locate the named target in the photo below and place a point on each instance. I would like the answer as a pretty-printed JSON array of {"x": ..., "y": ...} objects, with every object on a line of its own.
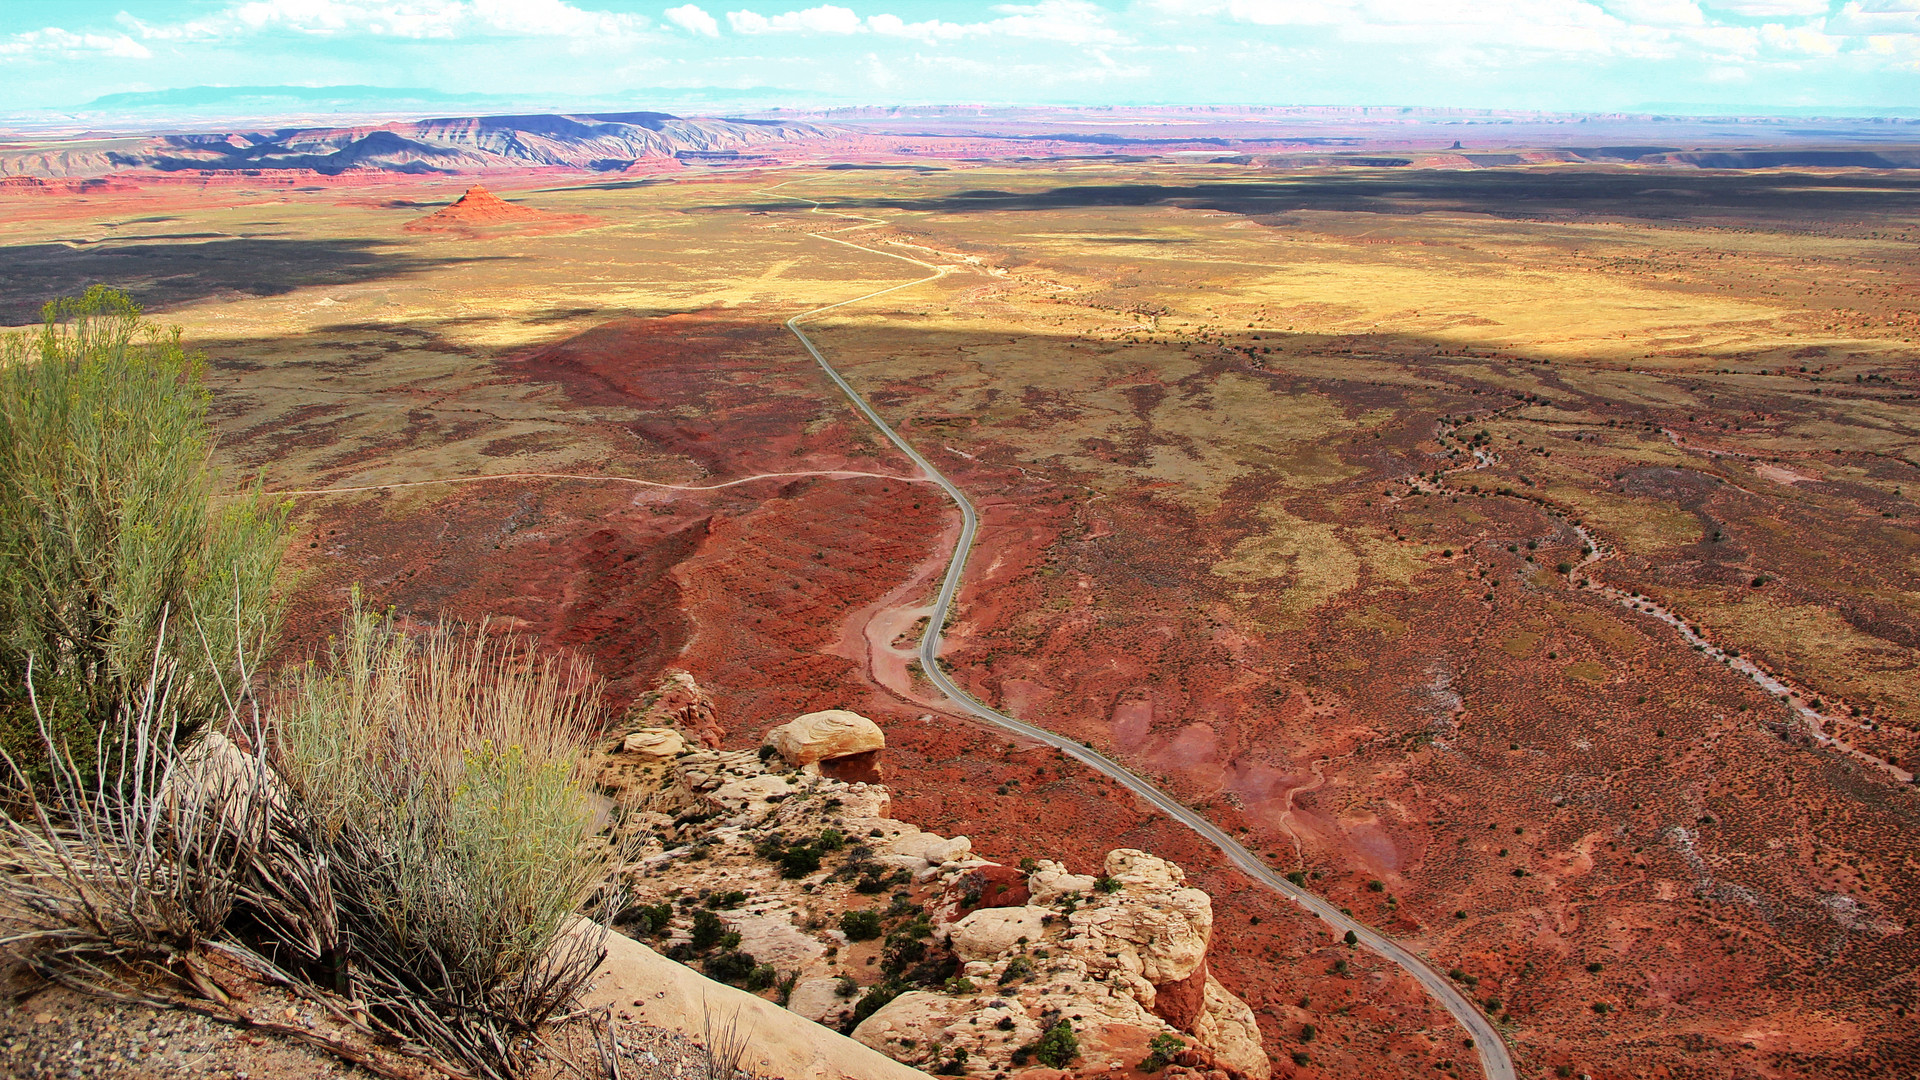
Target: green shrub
[
  {"x": 1058, "y": 1047},
  {"x": 411, "y": 838},
  {"x": 650, "y": 920},
  {"x": 904, "y": 947},
  {"x": 114, "y": 561},
  {"x": 707, "y": 930},
  {"x": 863, "y": 925},
  {"x": 735, "y": 967},
  {"x": 1161, "y": 1051},
  {"x": 799, "y": 860},
  {"x": 872, "y": 1002}
]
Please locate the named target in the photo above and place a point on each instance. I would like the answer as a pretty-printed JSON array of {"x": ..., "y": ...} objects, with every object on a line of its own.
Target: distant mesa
[
  {"x": 597, "y": 142},
  {"x": 480, "y": 209}
]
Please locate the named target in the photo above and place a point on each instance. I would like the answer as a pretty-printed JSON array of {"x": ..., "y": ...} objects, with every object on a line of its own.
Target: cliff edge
[{"x": 778, "y": 870}]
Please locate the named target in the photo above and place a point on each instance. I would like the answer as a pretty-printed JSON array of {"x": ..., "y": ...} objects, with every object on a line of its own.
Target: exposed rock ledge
[{"x": 751, "y": 864}]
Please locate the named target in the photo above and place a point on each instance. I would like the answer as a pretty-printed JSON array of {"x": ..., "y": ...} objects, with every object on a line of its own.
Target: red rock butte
[{"x": 480, "y": 208}]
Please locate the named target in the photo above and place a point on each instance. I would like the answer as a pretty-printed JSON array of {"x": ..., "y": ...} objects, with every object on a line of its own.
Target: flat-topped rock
[{"x": 823, "y": 736}]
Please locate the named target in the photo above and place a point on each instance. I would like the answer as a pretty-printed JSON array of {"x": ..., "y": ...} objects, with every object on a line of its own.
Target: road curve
[{"x": 1495, "y": 1062}]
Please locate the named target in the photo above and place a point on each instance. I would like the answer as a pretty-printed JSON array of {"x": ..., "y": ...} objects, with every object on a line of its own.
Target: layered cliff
[{"x": 598, "y": 142}]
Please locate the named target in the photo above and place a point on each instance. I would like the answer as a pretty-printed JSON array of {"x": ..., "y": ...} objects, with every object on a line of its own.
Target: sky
[{"x": 1556, "y": 55}]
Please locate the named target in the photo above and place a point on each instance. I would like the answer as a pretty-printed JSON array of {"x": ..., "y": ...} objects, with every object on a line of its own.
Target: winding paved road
[{"x": 1494, "y": 1059}]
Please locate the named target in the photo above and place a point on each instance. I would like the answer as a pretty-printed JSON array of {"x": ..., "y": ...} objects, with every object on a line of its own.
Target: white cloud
[
  {"x": 1495, "y": 27},
  {"x": 693, "y": 19},
  {"x": 1770, "y": 9},
  {"x": 930, "y": 30},
  {"x": 1490, "y": 32},
  {"x": 1877, "y": 17},
  {"x": 1075, "y": 21},
  {"x": 825, "y": 19},
  {"x": 1358, "y": 15},
  {"x": 1658, "y": 12},
  {"x": 1798, "y": 39},
  {"x": 413, "y": 19},
  {"x": 55, "y": 43}
]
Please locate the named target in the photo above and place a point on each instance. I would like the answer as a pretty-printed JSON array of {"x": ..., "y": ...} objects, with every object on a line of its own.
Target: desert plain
[{"x": 1524, "y": 557}]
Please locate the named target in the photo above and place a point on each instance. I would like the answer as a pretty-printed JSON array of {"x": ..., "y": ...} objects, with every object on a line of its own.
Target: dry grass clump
[
  {"x": 444, "y": 779},
  {"x": 403, "y": 832}
]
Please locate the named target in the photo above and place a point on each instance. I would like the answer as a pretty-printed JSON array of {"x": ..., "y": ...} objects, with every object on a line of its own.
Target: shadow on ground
[
  {"x": 180, "y": 271},
  {"x": 1518, "y": 194}
]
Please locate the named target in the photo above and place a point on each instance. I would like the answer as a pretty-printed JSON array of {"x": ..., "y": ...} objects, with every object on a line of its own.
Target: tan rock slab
[
  {"x": 1050, "y": 881},
  {"x": 641, "y": 983},
  {"x": 993, "y": 932},
  {"x": 819, "y": 1000},
  {"x": 1227, "y": 1027}
]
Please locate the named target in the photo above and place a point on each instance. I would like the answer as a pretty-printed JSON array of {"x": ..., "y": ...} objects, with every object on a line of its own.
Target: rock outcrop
[
  {"x": 679, "y": 703},
  {"x": 822, "y": 736},
  {"x": 766, "y": 872},
  {"x": 638, "y": 982},
  {"x": 1129, "y": 948}
]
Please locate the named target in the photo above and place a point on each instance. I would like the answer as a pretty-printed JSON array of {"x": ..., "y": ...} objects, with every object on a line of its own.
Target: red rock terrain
[
  {"x": 1436, "y": 772},
  {"x": 1632, "y": 856},
  {"x": 759, "y": 591}
]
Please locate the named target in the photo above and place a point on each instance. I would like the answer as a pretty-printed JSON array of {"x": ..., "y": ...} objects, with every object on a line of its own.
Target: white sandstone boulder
[{"x": 822, "y": 736}]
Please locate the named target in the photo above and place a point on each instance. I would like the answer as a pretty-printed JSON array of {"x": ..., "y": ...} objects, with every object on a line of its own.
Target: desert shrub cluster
[
  {"x": 113, "y": 554},
  {"x": 398, "y": 829}
]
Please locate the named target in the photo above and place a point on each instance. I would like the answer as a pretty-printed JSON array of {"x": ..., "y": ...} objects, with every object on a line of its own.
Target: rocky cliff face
[
  {"x": 764, "y": 871},
  {"x": 598, "y": 142}
]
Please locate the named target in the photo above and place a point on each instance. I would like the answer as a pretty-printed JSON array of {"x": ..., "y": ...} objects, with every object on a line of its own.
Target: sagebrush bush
[
  {"x": 403, "y": 824},
  {"x": 446, "y": 777},
  {"x": 108, "y": 532}
]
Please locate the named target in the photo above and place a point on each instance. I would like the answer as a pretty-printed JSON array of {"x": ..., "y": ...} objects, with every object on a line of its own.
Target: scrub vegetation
[{"x": 399, "y": 829}]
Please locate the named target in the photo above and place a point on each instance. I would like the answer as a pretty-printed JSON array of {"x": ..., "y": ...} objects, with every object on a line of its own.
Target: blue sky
[{"x": 1578, "y": 55}]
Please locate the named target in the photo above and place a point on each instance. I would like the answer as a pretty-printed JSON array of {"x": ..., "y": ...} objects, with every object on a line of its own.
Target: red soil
[
  {"x": 780, "y": 596},
  {"x": 1372, "y": 757}
]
